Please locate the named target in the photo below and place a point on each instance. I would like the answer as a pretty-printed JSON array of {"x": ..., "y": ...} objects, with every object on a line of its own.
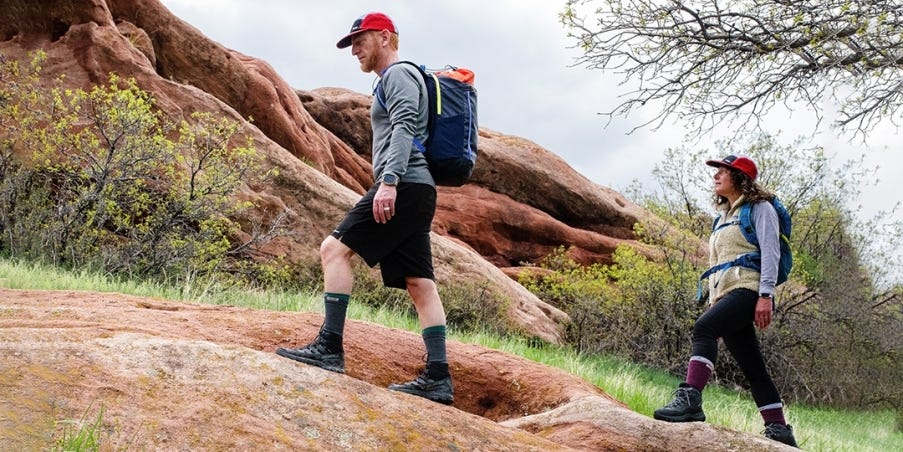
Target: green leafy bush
[{"x": 93, "y": 178}]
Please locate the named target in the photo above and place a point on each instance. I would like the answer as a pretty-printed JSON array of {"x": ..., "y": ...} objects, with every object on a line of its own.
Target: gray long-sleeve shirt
[
  {"x": 397, "y": 119},
  {"x": 765, "y": 220},
  {"x": 768, "y": 232}
]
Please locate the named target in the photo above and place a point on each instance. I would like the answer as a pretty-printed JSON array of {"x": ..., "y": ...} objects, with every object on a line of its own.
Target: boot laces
[
  {"x": 318, "y": 346},
  {"x": 681, "y": 398},
  {"x": 775, "y": 430}
]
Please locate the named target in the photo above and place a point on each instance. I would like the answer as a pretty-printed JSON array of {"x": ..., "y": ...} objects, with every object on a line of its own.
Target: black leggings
[{"x": 731, "y": 318}]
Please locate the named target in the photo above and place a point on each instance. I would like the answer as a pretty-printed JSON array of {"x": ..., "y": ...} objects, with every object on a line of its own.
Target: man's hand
[{"x": 384, "y": 203}]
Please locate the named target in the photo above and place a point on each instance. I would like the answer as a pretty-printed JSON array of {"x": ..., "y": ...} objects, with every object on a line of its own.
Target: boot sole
[
  {"x": 326, "y": 366},
  {"x": 443, "y": 400},
  {"x": 690, "y": 417}
]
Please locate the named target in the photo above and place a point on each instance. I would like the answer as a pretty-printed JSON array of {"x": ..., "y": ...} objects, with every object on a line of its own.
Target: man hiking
[{"x": 390, "y": 225}]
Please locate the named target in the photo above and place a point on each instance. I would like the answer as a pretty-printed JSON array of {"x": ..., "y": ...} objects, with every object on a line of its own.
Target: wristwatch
[
  {"x": 765, "y": 295},
  {"x": 389, "y": 179}
]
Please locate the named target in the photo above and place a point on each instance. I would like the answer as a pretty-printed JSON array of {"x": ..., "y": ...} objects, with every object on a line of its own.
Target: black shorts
[{"x": 401, "y": 246}]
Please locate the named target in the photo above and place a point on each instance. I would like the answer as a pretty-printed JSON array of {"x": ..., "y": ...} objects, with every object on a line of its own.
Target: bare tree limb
[{"x": 713, "y": 61}]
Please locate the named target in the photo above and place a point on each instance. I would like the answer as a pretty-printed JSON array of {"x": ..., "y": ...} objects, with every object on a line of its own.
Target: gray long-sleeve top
[
  {"x": 397, "y": 118},
  {"x": 765, "y": 220}
]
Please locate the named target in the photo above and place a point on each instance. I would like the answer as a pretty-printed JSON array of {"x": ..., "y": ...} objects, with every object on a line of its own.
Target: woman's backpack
[{"x": 754, "y": 260}]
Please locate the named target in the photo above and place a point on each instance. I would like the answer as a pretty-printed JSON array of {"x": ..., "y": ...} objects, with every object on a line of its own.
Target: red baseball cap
[
  {"x": 740, "y": 163},
  {"x": 369, "y": 21}
]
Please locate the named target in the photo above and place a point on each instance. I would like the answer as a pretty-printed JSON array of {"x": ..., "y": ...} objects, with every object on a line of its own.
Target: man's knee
[
  {"x": 420, "y": 284},
  {"x": 331, "y": 249}
]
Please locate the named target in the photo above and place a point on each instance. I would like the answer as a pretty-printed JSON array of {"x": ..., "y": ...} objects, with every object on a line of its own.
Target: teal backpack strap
[
  {"x": 749, "y": 260},
  {"x": 747, "y": 227}
]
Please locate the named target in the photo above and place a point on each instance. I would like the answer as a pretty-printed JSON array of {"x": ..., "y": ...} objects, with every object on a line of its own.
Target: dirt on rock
[{"x": 166, "y": 375}]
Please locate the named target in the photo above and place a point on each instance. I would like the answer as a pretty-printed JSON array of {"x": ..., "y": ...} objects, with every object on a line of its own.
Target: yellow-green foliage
[
  {"x": 112, "y": 182},
  {"x": 637, "y": 307},
  {"x": 569, "y": 280}
]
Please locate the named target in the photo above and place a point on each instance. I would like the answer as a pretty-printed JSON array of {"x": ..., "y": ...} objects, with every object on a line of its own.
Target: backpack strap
[
  {"x": 750, "y": 260},
  {"x": 747, "y": 226},
  {"x": 436, "y": 105},
  {"x": 378, "y": 95}
]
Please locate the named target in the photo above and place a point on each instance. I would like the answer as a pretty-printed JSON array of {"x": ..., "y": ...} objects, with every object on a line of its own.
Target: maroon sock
[
  {"x": 698, "y": 374},
  {"x": 773, "y": 416}
]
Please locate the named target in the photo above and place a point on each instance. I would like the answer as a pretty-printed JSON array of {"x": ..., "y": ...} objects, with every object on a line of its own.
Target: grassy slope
[{"x": 642, "y": 389}]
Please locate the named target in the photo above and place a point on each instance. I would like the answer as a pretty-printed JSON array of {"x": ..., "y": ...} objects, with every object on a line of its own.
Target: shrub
[
  {"x": 468, "y": 306},
  {"x": 636, "y": 308},
  {"x": 472, "y": 307},
  {"x": 92, "y": 178}
]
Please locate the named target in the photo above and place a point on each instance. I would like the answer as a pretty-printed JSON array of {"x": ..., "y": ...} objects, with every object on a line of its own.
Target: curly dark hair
[{"x": 749, "y": 188}]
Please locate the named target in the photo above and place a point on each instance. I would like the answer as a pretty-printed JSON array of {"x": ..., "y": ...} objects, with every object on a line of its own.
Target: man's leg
[
  {"x": 432, "y": 323},
  {"x": 335, "y": 257},
  {"x": 435, "y": 382},
  {"x": 326, "y": 350},
  {"x": 429, "y": 307}
]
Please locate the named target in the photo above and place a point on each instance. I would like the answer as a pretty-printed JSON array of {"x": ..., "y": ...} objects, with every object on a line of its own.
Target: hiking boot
[
  {"x": 686, "y": 406},
  {"x": 780, "y": 433},
  {"x": 438, "y": 390},
  {"x": 322, "y": 352}
]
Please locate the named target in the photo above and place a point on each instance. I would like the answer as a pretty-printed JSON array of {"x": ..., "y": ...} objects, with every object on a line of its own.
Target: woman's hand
[{"x": 763, "y": 312}]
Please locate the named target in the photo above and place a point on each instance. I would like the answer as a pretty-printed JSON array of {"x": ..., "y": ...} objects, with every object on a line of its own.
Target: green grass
[
  {"x": 640, "y": 388},
  {"x": 83, "y": 435}
]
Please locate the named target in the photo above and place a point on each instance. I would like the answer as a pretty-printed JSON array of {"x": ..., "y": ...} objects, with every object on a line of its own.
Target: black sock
[
  {"x": 437, "y": 370},
  {"x": 336, "y": 306},
  {"x": 436, "y": 359}
]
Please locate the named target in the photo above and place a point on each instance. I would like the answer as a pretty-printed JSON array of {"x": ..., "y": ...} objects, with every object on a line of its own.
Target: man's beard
[{"x": 368, "y": 64}]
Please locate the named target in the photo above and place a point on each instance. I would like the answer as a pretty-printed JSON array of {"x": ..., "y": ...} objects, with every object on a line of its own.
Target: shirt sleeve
[
  {"x": 402, "y": 90},
  {"x": 765, "y": 221}
]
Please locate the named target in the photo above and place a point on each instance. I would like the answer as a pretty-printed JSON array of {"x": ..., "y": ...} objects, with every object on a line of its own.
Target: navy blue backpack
[
  {"x": 754, "y": 260},
  {"x": 451, "y": 145}
]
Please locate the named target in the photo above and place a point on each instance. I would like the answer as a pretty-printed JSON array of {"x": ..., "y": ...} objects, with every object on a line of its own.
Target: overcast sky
[{"x": 525, "y": 78}]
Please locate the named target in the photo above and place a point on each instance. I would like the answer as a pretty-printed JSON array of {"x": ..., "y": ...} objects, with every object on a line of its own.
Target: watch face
[{"x": 390, "y": 179}]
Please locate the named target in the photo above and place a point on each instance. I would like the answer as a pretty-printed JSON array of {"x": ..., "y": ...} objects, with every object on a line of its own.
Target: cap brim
[
  {"x": 717, "y": 163},
  {"x": 346, "y": 41}
]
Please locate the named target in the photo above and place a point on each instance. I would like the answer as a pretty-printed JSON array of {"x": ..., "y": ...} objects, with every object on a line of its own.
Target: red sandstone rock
[
  {"x": 181, "y": 376},
  {"x": 523, "y": 202}
]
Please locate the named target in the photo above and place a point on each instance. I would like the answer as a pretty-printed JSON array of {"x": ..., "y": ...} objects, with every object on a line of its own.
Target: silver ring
[{"x": 387, "y": 209}]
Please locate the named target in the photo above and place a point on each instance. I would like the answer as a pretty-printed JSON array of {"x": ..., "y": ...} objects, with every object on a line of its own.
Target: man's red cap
[{"x": 369, "y": 21}]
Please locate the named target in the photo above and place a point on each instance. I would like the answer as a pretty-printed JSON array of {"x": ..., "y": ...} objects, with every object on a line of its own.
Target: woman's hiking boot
[
  {"x": 435, "y": 385},
  {"x": 325, "y": 352},
  {"x": 781, "y": 433},
  {"x": 686, "y": 406}
]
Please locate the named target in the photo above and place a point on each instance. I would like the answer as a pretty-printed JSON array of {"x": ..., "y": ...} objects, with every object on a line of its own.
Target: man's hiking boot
[
  {"x": 324, "y": 352},
  {"x": 780, "y": 433},
  {"x": 438, "y": 390},
  {"x": 686, "y": 406}
]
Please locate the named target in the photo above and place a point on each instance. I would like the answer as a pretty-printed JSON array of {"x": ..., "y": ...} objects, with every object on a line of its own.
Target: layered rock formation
[
  {"x": 319, "y": 141},
  {"x": 164, "y": 375},
  {"x": 175, "y": 376},
  {"x": 522, "y": 202}
]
